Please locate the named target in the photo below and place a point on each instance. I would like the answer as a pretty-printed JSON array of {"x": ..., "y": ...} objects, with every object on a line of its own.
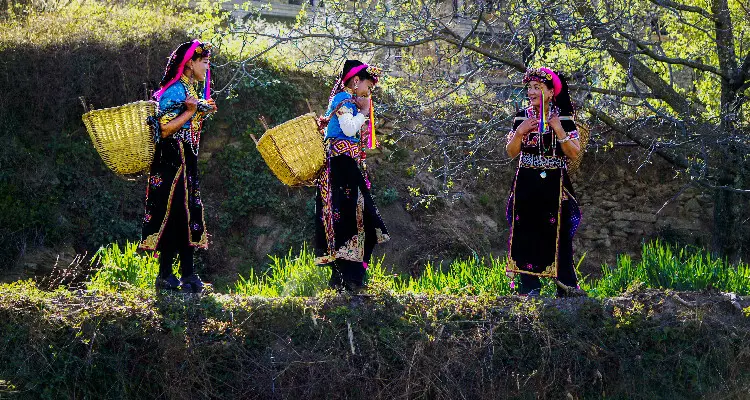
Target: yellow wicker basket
[
  {"x": 122, "y": 137},
  {"x": 583, "y": 139},
  {"x": 294, "y": 150}
]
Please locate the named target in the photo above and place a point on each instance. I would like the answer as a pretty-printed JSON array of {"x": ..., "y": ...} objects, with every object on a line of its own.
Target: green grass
[
  {"x": 661, "y": 267},
  {"x": 123, "y": 266},
  {"x": 664, "y": 267},
  {"x": 84, "y": 21},
  {"x": 287, "y": 276},
  {"x": 473, "y": 277}
]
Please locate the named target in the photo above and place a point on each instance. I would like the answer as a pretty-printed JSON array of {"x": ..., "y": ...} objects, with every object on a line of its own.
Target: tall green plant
[
  {"x": 118, "y": 266},
  {"x": 663, "y": 267},
  {"x": 287, "y": 276}
]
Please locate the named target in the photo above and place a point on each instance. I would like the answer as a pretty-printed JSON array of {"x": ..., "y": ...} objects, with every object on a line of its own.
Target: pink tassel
[
  {"x": 176, "y": 78},
  {"x": 207, "y": 93},
  {"x": 364, "y": 264},
  {"x": 512, "y": 284}
]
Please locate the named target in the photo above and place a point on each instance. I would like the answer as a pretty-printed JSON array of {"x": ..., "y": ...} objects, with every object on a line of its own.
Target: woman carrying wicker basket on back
[
  {"x": 348, "y": 224},
  {"x": 173, "y": 222},
  {"x": 542, "y": 208}
]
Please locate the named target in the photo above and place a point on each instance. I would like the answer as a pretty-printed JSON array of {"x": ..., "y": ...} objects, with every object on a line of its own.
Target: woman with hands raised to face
[
  {"x": 542, "y": 210},
  {"x": 347, "y": 222},
  {"x": 173, "y": 222}
]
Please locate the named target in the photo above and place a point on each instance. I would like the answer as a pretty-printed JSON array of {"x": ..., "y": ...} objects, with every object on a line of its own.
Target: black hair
[
  {"x": 562, "y": 100},
  {"x": 362, "y": 74},
  {"x": 173, "y": 63}
]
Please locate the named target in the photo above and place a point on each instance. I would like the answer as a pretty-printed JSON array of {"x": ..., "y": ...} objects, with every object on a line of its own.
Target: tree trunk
[
  {"x": 724, "y": 238},
  {"x": 730, "y": 207}
]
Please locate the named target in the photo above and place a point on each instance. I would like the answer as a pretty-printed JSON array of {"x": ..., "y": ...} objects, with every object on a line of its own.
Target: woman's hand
[
  {"x": 192, "y": 104},
  {"x": 527, "y": 126},
  {"x": 556, "y": 126},
  {"x": 363, "y": 104},
  {"x": 212, "y": 103}
]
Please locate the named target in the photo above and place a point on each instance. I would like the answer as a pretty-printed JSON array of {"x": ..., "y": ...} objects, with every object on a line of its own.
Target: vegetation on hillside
[
  {"x": 661, "y": 266},
  {"x": 131, "y": 344}
]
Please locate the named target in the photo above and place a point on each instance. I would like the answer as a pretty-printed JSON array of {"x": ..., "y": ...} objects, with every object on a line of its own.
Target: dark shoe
[
  {"x": 192, "y": 284},
  {"x": 169, "y": 283},
  {"x": 564, "y": 290}
]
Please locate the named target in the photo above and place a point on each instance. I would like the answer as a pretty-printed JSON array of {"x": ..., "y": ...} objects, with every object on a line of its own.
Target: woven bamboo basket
[
  {"x": 294, "y": 150},
  {"x": 122, "y": 137},
  {"x": 583, "y": 139}
]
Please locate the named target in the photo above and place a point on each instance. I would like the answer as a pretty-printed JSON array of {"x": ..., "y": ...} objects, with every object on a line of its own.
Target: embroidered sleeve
[
  {"x": 568, "y": 124},
  {"x": 164, "y": 116},
  {"x": 168, "y": 117},
  {"x": 203, "y": 106},
  {"x": 203, "y": 110},
  {"x": 169, "y": 103}
]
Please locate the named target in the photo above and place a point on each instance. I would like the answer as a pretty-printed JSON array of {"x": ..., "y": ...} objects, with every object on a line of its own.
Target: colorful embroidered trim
[
  {"x": 542, "y": 75},
  {"x": 338, "y": 147},
  {"x": 541, "y": 162}
]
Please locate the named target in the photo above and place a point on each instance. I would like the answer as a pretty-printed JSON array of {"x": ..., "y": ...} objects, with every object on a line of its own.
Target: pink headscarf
[
  {"x": 556, "y": 82},
  {"x": 188, "y": 55},
  {"x": 339, "y": 85}
]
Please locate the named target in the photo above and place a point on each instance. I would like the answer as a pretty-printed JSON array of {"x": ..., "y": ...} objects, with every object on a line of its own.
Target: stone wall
[{"x": 624, "y": 203}]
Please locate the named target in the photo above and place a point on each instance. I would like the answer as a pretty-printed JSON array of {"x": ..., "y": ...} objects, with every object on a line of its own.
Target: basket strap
[
  {"x": 323, "y": 120},
  {"x": 154, "y": 123},
  {"x": 329, "y": 116}
]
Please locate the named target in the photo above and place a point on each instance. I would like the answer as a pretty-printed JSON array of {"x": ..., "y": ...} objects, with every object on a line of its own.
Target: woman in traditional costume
[
  {"x": 542, "y": 209},
  {"x": 173, "y": 222},
  {"x": 348, "y": 225}
]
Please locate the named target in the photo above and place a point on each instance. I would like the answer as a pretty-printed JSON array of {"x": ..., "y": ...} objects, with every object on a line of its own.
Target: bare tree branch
[
  {"x": 683, "y": 7},
  {"x": 672, "y": 60},
  {"x": 620, "y": 93},
  {"x": 631, "y": 134},
  {"x": 623, "y": 57}
]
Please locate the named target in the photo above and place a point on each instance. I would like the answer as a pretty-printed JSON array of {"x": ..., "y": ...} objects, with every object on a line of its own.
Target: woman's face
[
  {"x": 534, "y": 90},
  {"x": 199, "y": 67},
  {"x": 363, "y": 87}
]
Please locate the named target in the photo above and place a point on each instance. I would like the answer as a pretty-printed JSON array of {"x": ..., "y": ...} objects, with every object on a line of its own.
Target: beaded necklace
[
  {"x": 194, "y": 134},
  {"x": 544, "y": 127}
]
